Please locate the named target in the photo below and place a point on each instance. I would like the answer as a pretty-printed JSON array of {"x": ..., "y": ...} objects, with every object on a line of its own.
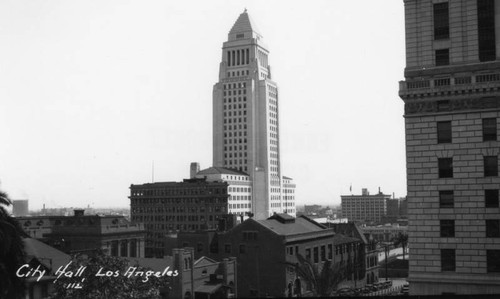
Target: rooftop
[
  {"x": 286, "y": 225},
  {"x": 244, "y": 24},
  {"x": 48, "y": 256},
  {"x": 221, "y": 170}
]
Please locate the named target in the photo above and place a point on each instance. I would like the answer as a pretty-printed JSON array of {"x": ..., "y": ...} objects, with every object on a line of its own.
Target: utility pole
[{"x": 386, "y": 246}]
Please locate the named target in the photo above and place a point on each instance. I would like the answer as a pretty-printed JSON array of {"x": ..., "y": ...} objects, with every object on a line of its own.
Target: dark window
[
  {"x": 447, "y": 259},
  {"x": 316, "y": 255},
  {"x": 227, "y": 248},
  {"x": 199, "y": 247},
  {"x": 444, "y": 131},
  {"x": 443, "y": 105},
  {"x": 323, "y": 253},
  {"x": 491, "y": 198},
  {"x": 442, "y": 57},
  {"x": 493, "y": 260},
  {"x": 445, "y": 166},
  {"x": 491, "y": 166},
  {"x": 308, "y": 254},
  {"x": 447, "y": 228},
  {"x": 486, "y": 29},
  {"x": 441, "y": 21},
  {"x": 243, "y": 249},
  {"x": 446, "y": 199},
  {"x": 489, "y": 129},
  {"x": 330, "y": 251},
  {"x": 492, "y": 228}
]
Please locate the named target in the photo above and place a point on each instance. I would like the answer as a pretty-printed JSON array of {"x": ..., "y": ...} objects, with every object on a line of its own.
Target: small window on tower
[
  {"x": 241, "y": 35},
  {"x": 442, "y": 57}
]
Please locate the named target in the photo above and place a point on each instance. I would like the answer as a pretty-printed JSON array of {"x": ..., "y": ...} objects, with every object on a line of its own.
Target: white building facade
[{"x": 246, "y": 120}]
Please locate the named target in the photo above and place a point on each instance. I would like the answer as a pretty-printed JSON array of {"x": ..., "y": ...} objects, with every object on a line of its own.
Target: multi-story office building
[
  {"x": 246, "y": 120},
  {"x": 177, "y": 206},
  {"x": 364, "y": 207},
  {"x": 239, "y": 187},
  {"x": 452, "y": 109}
]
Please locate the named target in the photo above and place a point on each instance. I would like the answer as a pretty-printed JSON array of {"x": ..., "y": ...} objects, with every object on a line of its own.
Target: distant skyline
[{"x": 92, "y": 92}]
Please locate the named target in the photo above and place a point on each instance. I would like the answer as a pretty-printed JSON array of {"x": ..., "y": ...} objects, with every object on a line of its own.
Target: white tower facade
[{"x": 246, "y": 119}]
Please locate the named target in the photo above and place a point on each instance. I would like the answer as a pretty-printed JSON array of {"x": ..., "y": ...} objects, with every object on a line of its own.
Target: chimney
[
  {"x": 364, "y": 192},
  {"x": 194, "y": 169}
]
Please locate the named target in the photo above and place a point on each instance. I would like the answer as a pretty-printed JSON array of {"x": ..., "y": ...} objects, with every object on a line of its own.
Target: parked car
[{"x": 345, "y": 292}]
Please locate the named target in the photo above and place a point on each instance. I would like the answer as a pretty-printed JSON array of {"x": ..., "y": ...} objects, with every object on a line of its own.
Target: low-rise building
[
  {"x": 384, "y": 233},
  {"x": 266, "y": 252},
  {"x": 369, "y": 246},
  {"x": 115, "y": 235}
]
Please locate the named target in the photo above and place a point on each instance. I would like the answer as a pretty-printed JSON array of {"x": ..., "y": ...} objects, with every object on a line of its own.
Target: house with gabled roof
[{"x": 266, "y": 252}]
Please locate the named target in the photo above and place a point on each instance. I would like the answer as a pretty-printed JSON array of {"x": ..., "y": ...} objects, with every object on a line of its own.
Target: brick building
[
  {"x": 370, "y": 250},
  {"x": 365, "y": 207},
  {"x": 264, "y": 247},
  {"x": 176, "y": 206},
  {"x": 451, "y": 93},
  {"x": 200, "y": 277}
]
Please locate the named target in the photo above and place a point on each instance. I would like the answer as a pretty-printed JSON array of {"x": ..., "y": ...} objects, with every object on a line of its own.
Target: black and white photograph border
[{"x": 225, "y": 149}]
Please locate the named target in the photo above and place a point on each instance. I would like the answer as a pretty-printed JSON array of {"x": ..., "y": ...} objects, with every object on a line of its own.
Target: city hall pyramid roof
[{"x": 244, "y": 23}]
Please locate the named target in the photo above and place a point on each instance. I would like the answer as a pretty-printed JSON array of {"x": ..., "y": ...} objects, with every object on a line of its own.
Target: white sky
[{"x": 91, "y": 92}]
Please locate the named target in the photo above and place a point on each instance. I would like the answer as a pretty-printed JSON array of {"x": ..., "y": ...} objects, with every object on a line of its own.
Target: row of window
[
  {"x": 237, "y": 73},
  {"x": 447, "y": 228},
  {"x": 240, "y": 206},
  {"x": 240, "y": 197},
  {"x": 490, "y": 167},
  {"x": 235, "y": 127},
  {"x": 235, "y": 120},
  {"x": 230, "y": 148},
  {"x": 444, "y": 130},
  {"x": 447, "y": 198},
  {"x": 234, "y": 106},
  {"x": 448, "y": 260},
  {"x": 180, "y": 201},
  {"x": 235, "y": 113},
  {"x": 234, "y": 92},
  {"x": 235, "y": 85},
  {"x": 238, "y": 57},
  {"x": 485, "y": 30},
  {"x": 233, "y": 100}
]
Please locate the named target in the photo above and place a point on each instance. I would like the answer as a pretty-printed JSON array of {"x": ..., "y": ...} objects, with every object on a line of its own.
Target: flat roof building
[{"x": 364, "y": 207}]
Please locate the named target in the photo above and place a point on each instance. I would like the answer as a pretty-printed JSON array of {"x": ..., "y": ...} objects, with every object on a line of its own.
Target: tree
[
  {"x": 118, "y": 285},
  {"x": 401, "y": 239},
  {"x": 323, "y": 279},
  {"x": 11, "y": 252}
]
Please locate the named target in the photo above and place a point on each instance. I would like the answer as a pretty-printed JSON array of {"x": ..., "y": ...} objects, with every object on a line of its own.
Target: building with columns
[
  {"x": 246, "y": 121},
  {"x": 451, "y": 94},
  {"x": 115, "y": 235}
]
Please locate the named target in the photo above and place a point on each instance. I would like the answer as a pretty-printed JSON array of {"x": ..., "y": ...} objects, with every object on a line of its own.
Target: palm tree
[
  {"x": 323, "y": 279},
  {"x": 401, "y": 240},
  {"x": 11, "y": 252}
]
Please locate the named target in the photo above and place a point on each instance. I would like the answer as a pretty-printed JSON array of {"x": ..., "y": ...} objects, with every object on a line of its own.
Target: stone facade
[
  {"x": 246, "y": 120},
  {"x": 451, "y": 90},
  {"x": 115, "y": 235}
]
